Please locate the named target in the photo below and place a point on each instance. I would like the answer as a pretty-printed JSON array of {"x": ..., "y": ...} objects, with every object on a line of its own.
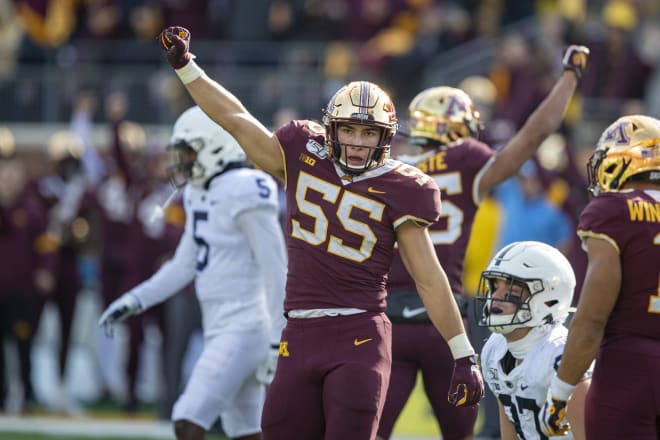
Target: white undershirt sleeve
[{"x": 171, "y": 277}]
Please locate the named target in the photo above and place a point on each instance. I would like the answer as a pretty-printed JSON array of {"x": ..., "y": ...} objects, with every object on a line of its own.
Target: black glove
[{"x": 575, "y": 59}]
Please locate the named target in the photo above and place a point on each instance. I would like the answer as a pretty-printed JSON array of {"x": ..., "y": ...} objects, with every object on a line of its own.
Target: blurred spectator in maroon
[
  {"x": 416, "y": 34},
  {"x": 154, "y": 243},
  {"x": 519, "y": 77},
  {"x": 48, "y": 25},
  {"x": 27, "y": 269},
  {"x": 146, "y": 19},
  {"x": 322, "y": 20},
  {"x": 191, "y": 14},
  {"x": 63, "y": 193},
  {"x": 101, "y": 19},
  {"x": 365, "y": 18},
  {"x": 616, "y": 70},
  {"x": 117, "y": 198}
]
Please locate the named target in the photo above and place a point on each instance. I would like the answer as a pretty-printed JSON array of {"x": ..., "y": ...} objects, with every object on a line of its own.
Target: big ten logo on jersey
[
  {"x": 434, "y": 164},
  {"x": 307, "y": 159}
]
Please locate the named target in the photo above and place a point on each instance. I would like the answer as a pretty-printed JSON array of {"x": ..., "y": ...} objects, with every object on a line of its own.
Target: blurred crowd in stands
[{"x": 74, "y": 212}]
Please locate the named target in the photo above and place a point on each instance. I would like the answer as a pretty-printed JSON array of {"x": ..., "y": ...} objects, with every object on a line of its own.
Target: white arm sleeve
[
  {"x": 172, "y": 276},
  {"x": 264, "y": 234}
]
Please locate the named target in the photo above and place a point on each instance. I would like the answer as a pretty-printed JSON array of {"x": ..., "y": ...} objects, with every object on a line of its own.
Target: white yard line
[{"x": 62, "y": 426}]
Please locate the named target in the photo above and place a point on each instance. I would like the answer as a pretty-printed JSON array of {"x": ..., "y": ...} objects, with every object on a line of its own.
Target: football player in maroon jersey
[
  {"x": 347, "y": 205},
  {"x": 28, "y": 271},
  {"x": 445, "y": 123},
  {"x": 618, "y": 317}
]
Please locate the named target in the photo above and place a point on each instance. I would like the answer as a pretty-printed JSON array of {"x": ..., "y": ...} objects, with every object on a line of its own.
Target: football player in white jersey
[
  {"x": 524, "y": 298},
  {"x": 233, "y": 248}
]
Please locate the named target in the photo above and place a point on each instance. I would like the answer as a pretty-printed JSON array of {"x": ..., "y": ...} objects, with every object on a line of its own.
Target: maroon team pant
[
  {"x": 331, "y": 379},
  {"x": 419, "y": 347},
  {"x": 623, "y": 401}
]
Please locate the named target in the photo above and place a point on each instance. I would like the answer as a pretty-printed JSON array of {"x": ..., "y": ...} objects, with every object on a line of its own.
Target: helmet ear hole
[{"x": 551, "y": 303}]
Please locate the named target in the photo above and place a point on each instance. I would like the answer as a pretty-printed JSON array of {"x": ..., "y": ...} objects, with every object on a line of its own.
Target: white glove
[
  {"x": 120, "y": 309},
  {"x": 266, "y": 371}
]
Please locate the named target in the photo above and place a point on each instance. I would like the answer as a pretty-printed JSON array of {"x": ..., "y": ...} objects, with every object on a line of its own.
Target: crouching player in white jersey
[
  {"x": 524, "y": 298},
  {"x": 233, "y": 247}
]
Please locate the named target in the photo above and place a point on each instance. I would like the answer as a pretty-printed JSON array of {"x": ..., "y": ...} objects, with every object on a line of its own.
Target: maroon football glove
[
  {"x": 467, "y": 385},
  {"x": 575, "y": 59},
  {"x": 175, "y": 41}
]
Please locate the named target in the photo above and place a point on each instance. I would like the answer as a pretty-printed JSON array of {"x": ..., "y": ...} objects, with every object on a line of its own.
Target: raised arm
[
  {"x": 541, "y": 123},
  {"x": 418, "y": 255},
  {"x": 599, "y": 294},
  {"x": 260, "y": 145}
]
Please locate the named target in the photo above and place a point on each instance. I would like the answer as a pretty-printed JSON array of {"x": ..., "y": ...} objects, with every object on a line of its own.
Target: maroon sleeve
[
  {"x": 628, "y": 221},
  {"x": 414, "y": 196}
]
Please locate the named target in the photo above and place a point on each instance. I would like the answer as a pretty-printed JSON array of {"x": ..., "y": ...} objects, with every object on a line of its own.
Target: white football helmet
[
  {"x": 200, "y": 149},
  {"x": 540, "y": 269}
]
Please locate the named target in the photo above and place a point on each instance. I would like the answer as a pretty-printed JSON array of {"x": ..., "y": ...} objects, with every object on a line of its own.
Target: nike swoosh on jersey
[
  {"x": 374, "y": 191},
  {"x": 357, "y": 341},
  {"x": 409, "y": 313}
]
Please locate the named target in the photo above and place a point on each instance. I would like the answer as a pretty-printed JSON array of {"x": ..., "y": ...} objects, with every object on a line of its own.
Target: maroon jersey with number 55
[{"x": 341, "y": 228}]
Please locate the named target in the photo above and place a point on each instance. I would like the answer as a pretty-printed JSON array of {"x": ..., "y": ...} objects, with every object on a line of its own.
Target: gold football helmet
[
  {"x": 629, "y": 149},
  {"x": 442, "y": 115},
  {"x": 361, "y": 103}
]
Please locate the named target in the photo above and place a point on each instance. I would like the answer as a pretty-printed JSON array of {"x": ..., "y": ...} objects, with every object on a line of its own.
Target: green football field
[{"x": 416, "y": 422}]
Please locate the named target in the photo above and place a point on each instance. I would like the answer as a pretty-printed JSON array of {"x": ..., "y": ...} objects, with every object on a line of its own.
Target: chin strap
[{"x": 159, "y": 211}]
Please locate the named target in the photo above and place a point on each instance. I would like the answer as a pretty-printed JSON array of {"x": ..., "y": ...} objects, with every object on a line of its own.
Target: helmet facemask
[
  {"x": 182, "y": 163},
  {"x": 360, "y": 104},
  {"x": 540, "y": 284},
  {"x": 378, "y": 154},
  {"x": 517, "y": 295}
]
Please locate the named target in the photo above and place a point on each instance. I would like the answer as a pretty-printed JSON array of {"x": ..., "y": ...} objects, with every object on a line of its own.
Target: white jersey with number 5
[
  {"x": 522, "y": 391},
  {"x": 226, "y": 224}
]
